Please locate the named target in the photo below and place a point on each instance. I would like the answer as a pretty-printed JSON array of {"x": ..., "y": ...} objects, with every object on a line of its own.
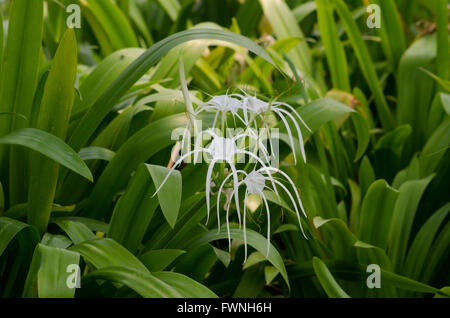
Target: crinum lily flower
[
  {"x": 222, "y": 104},
  {"x": 258, "y": 107},
  {"x": 220, "y": 149},
  {"x": 255, "y": 183}
]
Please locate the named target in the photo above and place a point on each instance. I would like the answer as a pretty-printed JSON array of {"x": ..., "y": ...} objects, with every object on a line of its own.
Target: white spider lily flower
[
  {"x": 255, "y": 183},
  {"x": 220, "y": 149},
  {"x": 252, "y": 104},
  {"x": 221, "y": 104},
  {"x": 223, "y": 150}
]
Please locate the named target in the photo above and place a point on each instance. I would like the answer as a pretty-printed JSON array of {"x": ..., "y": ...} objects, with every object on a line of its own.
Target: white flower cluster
[{"x": 257, "y": 177}]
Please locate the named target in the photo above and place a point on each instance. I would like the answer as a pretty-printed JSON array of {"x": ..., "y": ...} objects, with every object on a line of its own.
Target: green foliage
[{"x": 86, "y": 123}]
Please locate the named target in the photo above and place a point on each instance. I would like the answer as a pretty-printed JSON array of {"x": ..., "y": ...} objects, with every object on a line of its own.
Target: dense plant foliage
[{"x": 92, "y": 185}]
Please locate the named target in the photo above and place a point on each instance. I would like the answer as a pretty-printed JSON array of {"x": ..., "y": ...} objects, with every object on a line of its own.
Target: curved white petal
[
  {"x": 245, "y": 226},
  {"x": 293, "y": 202},
  {"x": 262, "y": 164},
  {"x": 291, "y": 139},
  {"x": 299, "y": 132},
  {"x": 295, "y": 113},
  {"x": 268, "y": 223},
  {"x": 208, "y": 187},
  {"x": 291, "y": 183},
  {"x": 175, "y": 165}
]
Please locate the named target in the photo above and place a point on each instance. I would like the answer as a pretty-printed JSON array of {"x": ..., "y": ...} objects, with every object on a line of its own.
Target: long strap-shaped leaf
[
  {"x": 138, "y": 68},
  {"x": 49, "y": 145},
  {"x": 333, "y": 47},
  {"x": 254, "y": 239},
  {"x": 143, "y": 283},
  {"x": 356, "y": 272},
  {"x": 284, "y": 25},
  {"x": 54, "y": 118},
  {"x": 49, "y": 273},
  {"x": 391, "y": 32},
  {"x": 442, "y": 39},
  {"x": 12, "y": 276},
  {"x": 367, "y": 66},
  {"x": 18, "y": 83},
  {"x": 327, "y": 280}
]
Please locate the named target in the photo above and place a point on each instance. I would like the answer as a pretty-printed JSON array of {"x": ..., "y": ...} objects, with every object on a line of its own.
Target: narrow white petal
[
  {"x": 268, "y": 223},
  {"x": 245, "y": 227},
  {"x": 293, "y": 202},
  {"x": 292, "y": 184},
  {"x": 262, "y": 164},
  {"x": 299, "y": 132},
  {"x": 208, "y": 187},
  {"x": 175, "y": 165},
  {"x": 291, "y": 139},
  {"x": 236, "y": 185},
  {"x": 295, "y": 113}
]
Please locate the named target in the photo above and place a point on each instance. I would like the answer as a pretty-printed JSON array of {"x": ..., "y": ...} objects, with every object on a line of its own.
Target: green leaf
[
  {"x": 145, "y": 143},
  {"x": 376, "y": 213},
  {"x": 145, "y": 284},
  {"x": 110, "y": 25},
  {"x": 270, "y": 273},
  {"x": 96, "y": 153},
  {"x": 19, "y": 73},
  {"x": 303, "y": 10},
  {"x": 392, "y": 34},
  {"x": 437, "y": 254},
  {"x": 338, "y": 237},
  {"x": 363, "y": 134},
  {"x": 134, "y": 210},
  {"x": 356, "y": 272},
  {"x": 334, "y": 49},
  {"x": 355, "y": 207},
  {"x": 223, "y": 256},
  {"x": 319, "y": 112},
  {"x": 366, "y": 64},
  {"x": 101, "y": 78},
  {"x": 368, "y": 254},
  {"x": 366, "y": 175},
  {"x": 327, "y": 280},
  {"x": 253, "y": 259},
  {"x": 284, "y": 25},
  {"x": 418, "y": 252},
  {"x": 9, "y": 229},
  {"x": 172, "y": 7},
  {"x": 101, "y": 253},
  {"x": 254, "y": 239},
  {"x": 416, "y": 89},
  {"x": 140, "y": 66},
  {"x": 442, "y": 54},
  {"x": 184, "y": 285},
  {"x": 158, "y": 260},
  {"x": 93, "y": 225},
  {"x": 78, "y": 232},
  {"x": 390, "y": 149},
  {"x": 170, "y": 194},
  {"x": 53, "y": 118},
  {"x": 402, "y": 219},
  {"x": 48, "y": 275},
  {"x": 50, "y": 146},
  {"x": 56, "y": 240},
  {"x": 435, "y": 149}
]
